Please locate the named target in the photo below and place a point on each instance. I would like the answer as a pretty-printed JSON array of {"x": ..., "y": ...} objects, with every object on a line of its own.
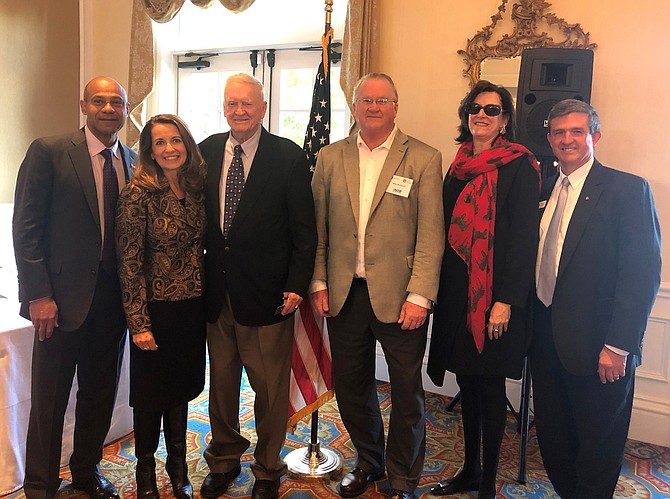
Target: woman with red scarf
[{"x": 490, "y": 195}]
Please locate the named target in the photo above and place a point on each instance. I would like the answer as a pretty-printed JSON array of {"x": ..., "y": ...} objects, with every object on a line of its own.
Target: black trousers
[
  {"x": 582, "y": 424},
  {"x": 353, "y": 335},
  {"x": 95, "y": 352}
]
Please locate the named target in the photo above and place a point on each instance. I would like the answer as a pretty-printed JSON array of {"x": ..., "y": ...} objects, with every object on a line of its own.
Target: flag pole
[{"x": 316, "y": 461}]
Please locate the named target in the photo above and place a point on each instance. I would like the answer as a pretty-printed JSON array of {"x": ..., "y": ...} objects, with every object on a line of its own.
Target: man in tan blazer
[{"x": 378, "y": 200}]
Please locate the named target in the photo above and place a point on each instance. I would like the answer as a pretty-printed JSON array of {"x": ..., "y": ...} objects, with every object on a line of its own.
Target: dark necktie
[
  {"x": 234, "y": 186},
  {"x": 110, "y": 194},
  {"x": 547, "y": 278}
]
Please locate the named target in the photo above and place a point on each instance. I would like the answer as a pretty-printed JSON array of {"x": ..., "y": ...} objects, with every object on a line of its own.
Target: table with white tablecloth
[{"x": 16, "y": 344}]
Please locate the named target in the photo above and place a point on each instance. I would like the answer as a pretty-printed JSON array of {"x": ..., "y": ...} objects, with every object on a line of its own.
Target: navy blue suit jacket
[
  {"x": 609, "y": 271},
  {"x": 271, "y": 243}
]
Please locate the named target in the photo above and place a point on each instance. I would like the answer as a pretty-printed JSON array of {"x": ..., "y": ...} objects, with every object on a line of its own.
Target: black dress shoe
[
  {"x": 400, "y": 494},
  {"x": 216, "y": 484},
  {"x": 96, "y": 486},
  {"x": 454, "y": 485},
  {"x": 356, "y": 482},
  {"x": 265, "y": 489}
]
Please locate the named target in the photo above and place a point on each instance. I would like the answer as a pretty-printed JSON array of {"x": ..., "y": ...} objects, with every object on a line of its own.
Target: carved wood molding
[{"x": 528, "y": 16}]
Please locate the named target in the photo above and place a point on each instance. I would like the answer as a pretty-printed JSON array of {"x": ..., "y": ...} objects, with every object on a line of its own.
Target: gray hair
[
  {"x": 569, "y": 106},
  {"x": 245, "y": 78},
  {"x": 375, "y": 76}
]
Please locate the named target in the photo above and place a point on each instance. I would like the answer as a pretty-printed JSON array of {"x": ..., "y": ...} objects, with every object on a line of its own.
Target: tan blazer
[{"x": 404, "y": 236}]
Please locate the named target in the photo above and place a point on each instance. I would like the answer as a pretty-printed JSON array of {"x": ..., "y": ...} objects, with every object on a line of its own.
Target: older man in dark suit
[
  {"x": 598, "y": 271},
  {"x": 261, "y": 241},
  {"x": 63, "y": 227}
]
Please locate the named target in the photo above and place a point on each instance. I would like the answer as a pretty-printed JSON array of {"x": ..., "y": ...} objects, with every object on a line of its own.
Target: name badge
[{"x": 400, "y": 186}]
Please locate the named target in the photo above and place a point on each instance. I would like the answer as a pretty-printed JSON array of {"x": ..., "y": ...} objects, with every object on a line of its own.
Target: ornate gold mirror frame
[{"x": 527, "y": 16}]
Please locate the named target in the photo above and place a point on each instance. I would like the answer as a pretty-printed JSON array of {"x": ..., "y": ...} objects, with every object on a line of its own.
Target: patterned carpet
[{"x": 646, "y": 472}]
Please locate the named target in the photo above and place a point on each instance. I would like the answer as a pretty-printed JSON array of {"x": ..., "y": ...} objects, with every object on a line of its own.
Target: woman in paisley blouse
[{"x": 160, "y": 229}]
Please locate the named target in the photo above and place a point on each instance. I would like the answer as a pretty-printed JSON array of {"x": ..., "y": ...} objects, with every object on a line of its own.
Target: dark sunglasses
[{"x": 489, "y": 109}]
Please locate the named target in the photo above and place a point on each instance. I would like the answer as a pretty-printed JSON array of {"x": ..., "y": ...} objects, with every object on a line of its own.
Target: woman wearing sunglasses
[{"x": 490, "y": 195}]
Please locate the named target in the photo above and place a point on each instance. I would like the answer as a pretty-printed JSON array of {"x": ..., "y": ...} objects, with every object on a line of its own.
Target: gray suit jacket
[
  {"x": 56, "y": 225},
  {"x": 404, "y": 238}
]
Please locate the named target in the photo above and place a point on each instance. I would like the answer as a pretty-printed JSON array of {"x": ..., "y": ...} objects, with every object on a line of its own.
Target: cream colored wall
[
  {"x": 106, "y": 36},
  {"x": 418, "y": 48},
  {"x": 39, "y": 75}
]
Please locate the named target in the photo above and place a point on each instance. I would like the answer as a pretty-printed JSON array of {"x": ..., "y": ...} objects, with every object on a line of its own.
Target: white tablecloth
[{"x": 16, "y": 343}]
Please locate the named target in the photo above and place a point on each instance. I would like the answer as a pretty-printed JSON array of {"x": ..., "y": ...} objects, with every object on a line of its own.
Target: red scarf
[{"x": 473, "y": 222}]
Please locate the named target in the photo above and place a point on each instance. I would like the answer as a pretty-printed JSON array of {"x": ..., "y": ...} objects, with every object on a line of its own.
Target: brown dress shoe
[{"x": 356, "y": 482}]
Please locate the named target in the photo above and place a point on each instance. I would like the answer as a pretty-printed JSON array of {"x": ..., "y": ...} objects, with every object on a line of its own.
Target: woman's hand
[
  {"x": 145, "y": 341},
  {"x": 499, "y": 319}
]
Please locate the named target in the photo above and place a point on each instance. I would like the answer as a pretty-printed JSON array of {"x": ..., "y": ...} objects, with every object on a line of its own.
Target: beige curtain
[
  {"x": 163, "y": 11},
  {"x": 141, "y": 77},
  {"x": 359, "y": 45}
]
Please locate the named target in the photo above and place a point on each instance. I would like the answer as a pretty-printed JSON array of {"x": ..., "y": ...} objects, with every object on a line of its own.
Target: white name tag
[{"x": 400, "y": 186}]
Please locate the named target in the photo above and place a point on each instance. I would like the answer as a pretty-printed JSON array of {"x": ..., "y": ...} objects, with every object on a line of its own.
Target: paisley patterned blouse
[{"x": 160, "y": 248}]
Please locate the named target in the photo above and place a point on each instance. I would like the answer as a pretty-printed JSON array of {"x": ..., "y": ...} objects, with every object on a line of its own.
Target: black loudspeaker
[{"x": 548, "y": 76}]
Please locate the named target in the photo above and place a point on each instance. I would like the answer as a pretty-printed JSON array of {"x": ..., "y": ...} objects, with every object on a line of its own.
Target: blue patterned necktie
[
  {"x": 234, "y": 186},
  {"x": 547, "y": 278},
  {"x": 110, "y": 194}
]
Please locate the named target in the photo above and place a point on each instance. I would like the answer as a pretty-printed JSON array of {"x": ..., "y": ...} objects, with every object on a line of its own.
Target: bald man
[{"x": 69, "y": 288}]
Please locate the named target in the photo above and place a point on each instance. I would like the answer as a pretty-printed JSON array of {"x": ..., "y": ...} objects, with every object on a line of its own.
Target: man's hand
[
  {"x": 412, "y": 316},
  {"x": 611, "y": 366},
  {"x": 319, "y": 301},
  {"x": 44, "y": 316},
  {"x": 145, "y": 341},
  {"x": 499, "y": 319},
  {"x": 291, "y": 303}
]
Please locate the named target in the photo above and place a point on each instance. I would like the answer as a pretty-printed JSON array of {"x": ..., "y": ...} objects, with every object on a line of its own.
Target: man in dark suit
[
  {"x": 378, "y": 197},
  {"x": 261, "y": 241},
  {"x": 598, "y": 271},
  {"x": 69, "y": 287}
]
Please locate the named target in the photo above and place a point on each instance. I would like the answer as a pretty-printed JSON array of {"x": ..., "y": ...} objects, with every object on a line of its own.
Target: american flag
[
  {"x": 311, "y": 370},
  {"x": 318, "y": 128}
]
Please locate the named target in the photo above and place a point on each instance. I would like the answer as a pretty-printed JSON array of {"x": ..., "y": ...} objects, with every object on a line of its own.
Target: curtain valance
[{"x": 163, "y": 11}]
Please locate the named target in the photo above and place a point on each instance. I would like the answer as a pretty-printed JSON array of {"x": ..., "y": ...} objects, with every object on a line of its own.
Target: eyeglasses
[
  {"x": 489, "y": 109},
  {"x": 382, "y": 101}
]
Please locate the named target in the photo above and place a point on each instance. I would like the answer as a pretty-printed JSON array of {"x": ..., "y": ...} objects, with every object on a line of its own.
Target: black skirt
[{"x": 175, "y": 373}]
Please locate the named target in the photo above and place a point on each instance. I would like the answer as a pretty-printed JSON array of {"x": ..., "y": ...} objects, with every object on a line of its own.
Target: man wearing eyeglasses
[
  {"x": 378, "y": 199},
  {"x": 63, "y": 228},
  {"x": 598, "y": 271}
]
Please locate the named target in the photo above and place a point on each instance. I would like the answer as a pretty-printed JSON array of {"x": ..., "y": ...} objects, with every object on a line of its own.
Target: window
[{"x": 197, "y": 94}]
